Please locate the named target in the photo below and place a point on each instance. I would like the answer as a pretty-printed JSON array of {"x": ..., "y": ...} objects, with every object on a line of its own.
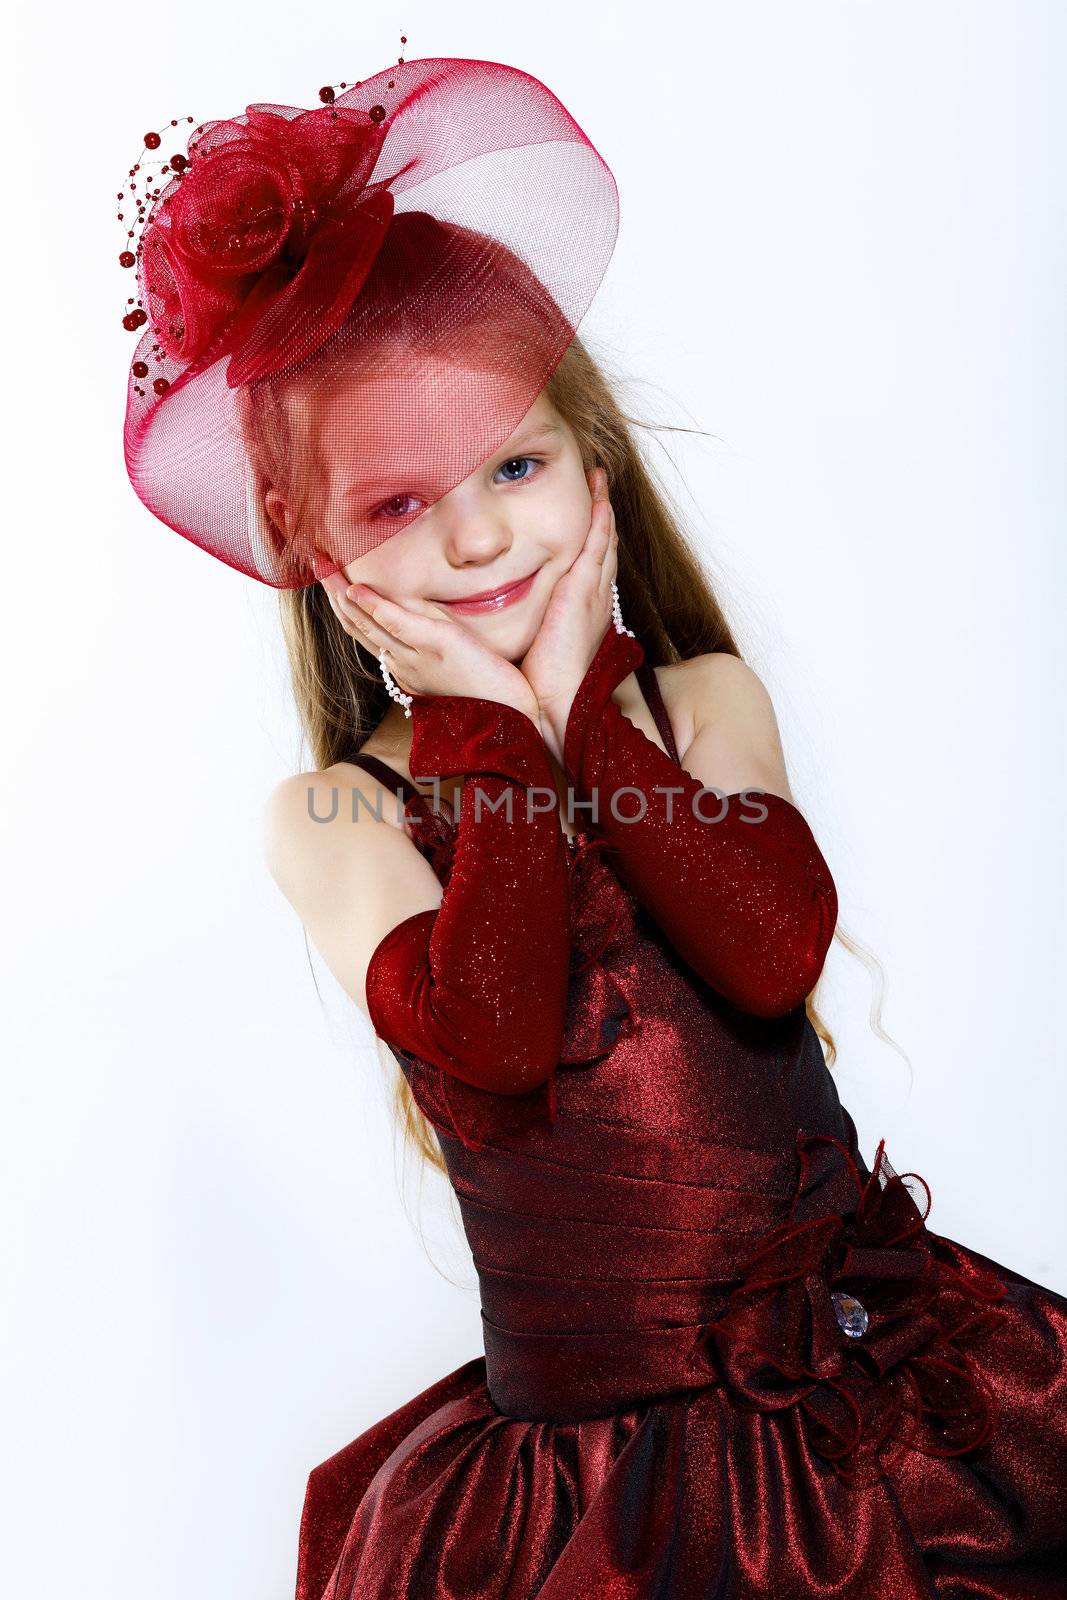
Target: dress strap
[
  {"x": 649, "y": 686},
  {"x": 384, "y": 773}
]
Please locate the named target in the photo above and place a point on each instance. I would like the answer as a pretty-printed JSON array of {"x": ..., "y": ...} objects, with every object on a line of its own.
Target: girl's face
[{"x": 522, "y": 515}]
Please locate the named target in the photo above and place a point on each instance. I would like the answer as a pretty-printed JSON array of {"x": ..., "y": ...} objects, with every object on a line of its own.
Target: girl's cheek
[
  {"x": 564, "y": 524},
  {"x": 579, "y": 530}
]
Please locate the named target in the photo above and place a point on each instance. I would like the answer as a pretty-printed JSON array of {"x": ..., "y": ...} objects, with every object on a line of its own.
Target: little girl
[{"x": 574, "y": 896}]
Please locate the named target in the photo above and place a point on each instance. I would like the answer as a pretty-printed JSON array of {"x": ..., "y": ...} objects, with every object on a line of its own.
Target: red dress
[{"x": 723, "y": 1357}]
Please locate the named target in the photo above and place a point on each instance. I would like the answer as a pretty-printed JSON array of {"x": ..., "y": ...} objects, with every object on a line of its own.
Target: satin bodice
[
  {"x": 720, "y": 1353},
  {"x": 607, "y": 1211}
]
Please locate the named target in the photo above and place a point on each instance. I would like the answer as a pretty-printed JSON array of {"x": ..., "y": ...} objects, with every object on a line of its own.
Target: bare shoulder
[
  {"x": 719, "y": 685},
  {"x": 726, "y": 723},
  {"x": 349, "y": 875},
  {"x": 313, "y": 824}
]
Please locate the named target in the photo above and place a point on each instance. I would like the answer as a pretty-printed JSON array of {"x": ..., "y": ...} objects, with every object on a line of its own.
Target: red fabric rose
[{"x": 261, "y": 245}]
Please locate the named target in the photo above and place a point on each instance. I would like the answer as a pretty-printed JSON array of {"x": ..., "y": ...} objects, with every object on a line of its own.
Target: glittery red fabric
[
  {"x": 668, "y": 1404},
  {"x": 443, "y": 985},
  {"x": 737, "y": 883}
]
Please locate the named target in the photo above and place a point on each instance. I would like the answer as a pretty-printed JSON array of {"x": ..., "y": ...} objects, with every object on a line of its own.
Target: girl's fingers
[
  {"x": 339, "y": 601},
  {"x": 378, "y": 635},
  {"x": 598, "y": 539},
  {"x": 393, "y": 619},
  {"x": 373, "y": 620},
  {"x": 356, "y": 623},
  {"x": 610, "y": 556},
  {"x": 603, "y": 536},
  {"x": 612, "y": 530},
  {"x": 338, "y": 586}
]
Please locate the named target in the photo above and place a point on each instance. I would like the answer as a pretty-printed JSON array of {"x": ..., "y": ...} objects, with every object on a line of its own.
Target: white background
[{"x": 842, "y": 255}]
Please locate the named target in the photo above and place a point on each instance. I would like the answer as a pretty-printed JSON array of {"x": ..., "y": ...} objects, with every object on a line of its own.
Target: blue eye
[{"x": 519, "y": 459}]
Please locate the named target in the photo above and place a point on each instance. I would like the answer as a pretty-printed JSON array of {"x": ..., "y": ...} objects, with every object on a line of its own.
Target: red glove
[
  {"x": 478, "y": 986},
  {"x": 749, "y": 904}
]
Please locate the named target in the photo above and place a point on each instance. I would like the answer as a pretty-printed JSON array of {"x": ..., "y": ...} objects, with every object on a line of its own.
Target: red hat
[{"x": 353, "y": 303}]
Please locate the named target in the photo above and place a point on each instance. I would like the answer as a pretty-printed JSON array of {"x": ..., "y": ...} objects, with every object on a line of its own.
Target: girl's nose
[{"x": 476, "y": 533}]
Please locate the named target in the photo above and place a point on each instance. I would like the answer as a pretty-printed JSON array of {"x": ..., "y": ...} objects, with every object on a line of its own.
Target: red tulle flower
[
  {"x": 856, "y": 1319},
  {"x": 267, "y": 238}
]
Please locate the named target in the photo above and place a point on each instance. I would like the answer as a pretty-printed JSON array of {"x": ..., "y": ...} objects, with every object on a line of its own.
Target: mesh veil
[{"x": 356, "y": 302}]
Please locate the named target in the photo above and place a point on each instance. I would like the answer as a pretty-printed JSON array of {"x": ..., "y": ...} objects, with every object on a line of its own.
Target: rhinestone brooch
[{"x": 851, "y": 1315}]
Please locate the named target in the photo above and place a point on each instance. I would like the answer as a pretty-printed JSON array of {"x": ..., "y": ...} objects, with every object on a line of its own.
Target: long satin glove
[
  {"x": 478, "y": 985},
  {"x": 749, "y": 904}
]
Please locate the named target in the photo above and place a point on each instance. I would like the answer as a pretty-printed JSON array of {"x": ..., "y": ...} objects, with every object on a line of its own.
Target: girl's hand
[
  {"x": 428, "y": 651},
  {"x": 575, "y": 620}
]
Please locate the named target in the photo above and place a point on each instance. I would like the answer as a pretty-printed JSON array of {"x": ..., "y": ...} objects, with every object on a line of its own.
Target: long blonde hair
[{"x": 666, "y": 596}]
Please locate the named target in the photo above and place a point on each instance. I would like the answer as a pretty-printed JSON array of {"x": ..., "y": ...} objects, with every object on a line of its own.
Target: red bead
[
  {"x": 160, "y": 385},
  {"x": 326, "y": 95},
  {"x": 179, "y": 163},
  {"x": 130, "y": 321},
  {"x": 127, "y": 258},
  {"x": 376, "y": 113},
  {"x": 151, "y": 141},
  {"x": 403, "y": 38},
  {"x": 140, "y": 369}
]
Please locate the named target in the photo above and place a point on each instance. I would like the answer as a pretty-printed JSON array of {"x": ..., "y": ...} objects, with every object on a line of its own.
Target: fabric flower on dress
[{"x": 856, "y": 1319}]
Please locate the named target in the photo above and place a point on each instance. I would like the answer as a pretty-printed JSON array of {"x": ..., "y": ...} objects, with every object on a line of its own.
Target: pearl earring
[
  {"x": 392, "y": 687},
  {"x": 616, "y": 611}
]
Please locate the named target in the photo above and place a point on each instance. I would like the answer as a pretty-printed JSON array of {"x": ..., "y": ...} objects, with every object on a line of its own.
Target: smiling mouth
[{"x": 491, "y": 598}]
